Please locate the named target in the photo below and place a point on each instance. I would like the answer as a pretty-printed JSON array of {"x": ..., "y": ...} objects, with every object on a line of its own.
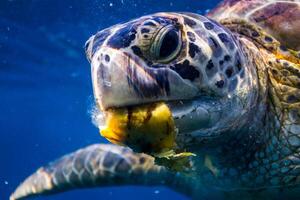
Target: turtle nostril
[{"x": 107, "y": 58}]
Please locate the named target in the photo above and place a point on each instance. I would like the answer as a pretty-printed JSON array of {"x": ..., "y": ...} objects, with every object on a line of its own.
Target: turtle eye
[{"x": 166, "y": 45}]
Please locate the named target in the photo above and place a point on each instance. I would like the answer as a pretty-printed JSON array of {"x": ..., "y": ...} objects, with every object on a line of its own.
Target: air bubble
[{"x": 98, "y": 118}]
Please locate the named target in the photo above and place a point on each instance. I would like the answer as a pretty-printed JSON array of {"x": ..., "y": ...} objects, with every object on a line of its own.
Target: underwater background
[{"x": 45, "y": 88}]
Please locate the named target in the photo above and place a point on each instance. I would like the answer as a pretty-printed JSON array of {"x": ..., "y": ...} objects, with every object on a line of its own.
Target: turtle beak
[
  {"x": 123, "y": 79},
  {"x": 120, "y": 80}
]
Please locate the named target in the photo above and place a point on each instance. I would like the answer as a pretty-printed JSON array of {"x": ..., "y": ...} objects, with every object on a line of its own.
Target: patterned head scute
[
  {"x": 165, "y": 56},
  {"x": 212, "y": 49}
]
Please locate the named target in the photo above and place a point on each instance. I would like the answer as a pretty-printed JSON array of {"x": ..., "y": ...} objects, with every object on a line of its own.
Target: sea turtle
[{"x": 207, "y": 103}]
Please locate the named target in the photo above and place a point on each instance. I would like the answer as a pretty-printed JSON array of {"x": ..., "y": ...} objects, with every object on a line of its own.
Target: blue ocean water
[{"x": 45, "y": 87}]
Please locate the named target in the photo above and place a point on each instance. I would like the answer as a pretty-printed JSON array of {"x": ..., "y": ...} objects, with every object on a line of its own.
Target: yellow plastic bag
[{"x": 147, "y": 128}]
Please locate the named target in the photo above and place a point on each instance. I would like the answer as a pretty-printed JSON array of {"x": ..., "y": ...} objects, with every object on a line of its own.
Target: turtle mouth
[
  {"x": 127, "y": 80},
  {"x": 137, "y": 102}
]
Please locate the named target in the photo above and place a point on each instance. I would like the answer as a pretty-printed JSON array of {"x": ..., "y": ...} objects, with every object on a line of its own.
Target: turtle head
[{"x": 187, "y": 62}]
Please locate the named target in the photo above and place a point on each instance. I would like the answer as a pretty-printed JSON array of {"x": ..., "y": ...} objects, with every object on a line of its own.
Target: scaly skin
[{"x": 265, "y": 154}]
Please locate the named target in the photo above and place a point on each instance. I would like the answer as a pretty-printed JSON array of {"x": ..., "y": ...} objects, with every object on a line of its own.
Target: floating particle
[{"x": 207, "y": 11}]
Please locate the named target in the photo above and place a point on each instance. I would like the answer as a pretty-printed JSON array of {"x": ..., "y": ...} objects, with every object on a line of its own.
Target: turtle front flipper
[{"x": 95, "y": 165}]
